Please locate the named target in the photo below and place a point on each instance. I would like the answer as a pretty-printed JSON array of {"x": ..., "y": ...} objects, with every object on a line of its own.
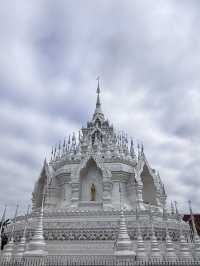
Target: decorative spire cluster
[
  {"x": 99, "y": 136},
  {"x": 113, "y": 145}
]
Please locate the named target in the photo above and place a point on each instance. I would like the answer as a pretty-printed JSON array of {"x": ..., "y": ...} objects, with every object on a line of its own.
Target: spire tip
[{"x": 98, "y": 87}]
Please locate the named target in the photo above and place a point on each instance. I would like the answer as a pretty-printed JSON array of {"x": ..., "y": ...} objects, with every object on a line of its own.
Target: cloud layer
[{"x": 147, "y": 53}]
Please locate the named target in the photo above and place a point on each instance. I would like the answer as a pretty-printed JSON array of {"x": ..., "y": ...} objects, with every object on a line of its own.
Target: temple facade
[
  {"x": 88, "y": 172},
  {"x": 97, "y": 201}
]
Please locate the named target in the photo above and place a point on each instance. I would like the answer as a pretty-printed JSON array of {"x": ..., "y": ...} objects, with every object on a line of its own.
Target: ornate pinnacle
[
  {"x": 155, "y": 248},
  {"x": 59, "y": 149},
  {"x": 138, "y": 148},
  {"x": 22, "y": 244},
  {"x": 98, "y": 103},
  {"x": 123, "y": 245},
  {"x": 52, "y": 154},
  {"x": 79, "y": 136},
  {"x": 184, "y": 248},
  {"x": 142, "y": 148},
  {"x": 73, "y": 138},
  {"x": 8, "y": 251},
  {"x": 98, "y": 92},
  {"x": 64, "y": 146},
  {"x": 98, "y": 87},
  {"x": 37, "y": 245},
  {"x": 132, "y": 152},
  {"x": 141, "y": 251},
  {"x": 172, "y": 208},
  {"x": 177, "y": 211},
  {"x": 170, "y": 253}
]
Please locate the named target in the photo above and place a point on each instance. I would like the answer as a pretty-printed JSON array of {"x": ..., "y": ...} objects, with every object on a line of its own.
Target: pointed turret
[
  {"x": 123, "y": 245},
  {"x": 155, "y": 252},
  {"x": 184, "y": 248},
  {"x": 132, "y": 151},
  {"x": 141, "y": 250},
  {"x": 37, "y": 245},
  {"x": 176, "y": 209},
  {"x": 8, "y": 251},
  {"x": 170, "y": 252},
  {"x": 98, "y": 104},
  {"x": 98, "y": 111},
  {"x": 172, "y": 208},
  {"x": 22, "y": 244}
]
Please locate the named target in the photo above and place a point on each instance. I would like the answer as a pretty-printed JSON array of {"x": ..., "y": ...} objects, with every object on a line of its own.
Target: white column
[
  {"x": 107, "y": 190},
  {"x": 67, "y": 194},
  {"x": 140, "y": 202},
  {"x": 75, "y": 190},
  {"x": 115, "y": 195}
]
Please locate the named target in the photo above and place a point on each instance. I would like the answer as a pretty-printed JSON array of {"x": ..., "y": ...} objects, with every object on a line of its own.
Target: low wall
[{"x": 93, "y": 260}]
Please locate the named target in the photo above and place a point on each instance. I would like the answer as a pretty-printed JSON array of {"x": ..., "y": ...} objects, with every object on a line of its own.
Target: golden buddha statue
[{"x": 93, "y": 192}]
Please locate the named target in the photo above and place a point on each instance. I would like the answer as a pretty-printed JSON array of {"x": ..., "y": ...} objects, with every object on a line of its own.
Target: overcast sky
[{"x": 148, "y": 56}]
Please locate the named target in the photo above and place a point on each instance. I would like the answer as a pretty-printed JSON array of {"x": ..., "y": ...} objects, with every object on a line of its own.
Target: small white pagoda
[{"x": 97, "y": 196}]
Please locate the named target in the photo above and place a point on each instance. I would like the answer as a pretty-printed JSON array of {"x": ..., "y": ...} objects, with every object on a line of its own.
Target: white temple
[
  {"x": 98, "y": 197},
  {"x": 86, "y": 173}
]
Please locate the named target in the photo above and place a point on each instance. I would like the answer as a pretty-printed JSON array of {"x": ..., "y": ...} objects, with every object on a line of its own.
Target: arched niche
[
  {"x": 149, "y": 190},
  {"x": 90, "y": 177},
  {"x": 40, "y": 190}
]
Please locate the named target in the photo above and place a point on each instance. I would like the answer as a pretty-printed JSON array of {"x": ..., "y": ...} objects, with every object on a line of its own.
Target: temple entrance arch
[
  {"x": 149, "y": 190},
  {"x": 91, "y": 182}
]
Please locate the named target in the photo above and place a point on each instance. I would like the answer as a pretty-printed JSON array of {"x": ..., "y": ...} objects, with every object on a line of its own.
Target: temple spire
[
  {"x": 98, "y": 93},
  {"x": 98, "y": 102}
]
